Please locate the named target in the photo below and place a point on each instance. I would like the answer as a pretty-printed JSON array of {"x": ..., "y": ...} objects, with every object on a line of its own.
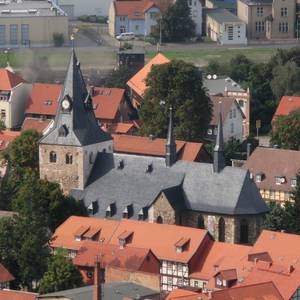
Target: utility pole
[{"x": 160, "y": 31}]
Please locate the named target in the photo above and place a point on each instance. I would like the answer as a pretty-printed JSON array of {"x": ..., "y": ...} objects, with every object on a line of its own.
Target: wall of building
[
  {"x": 41, "y": 29},
  {"x": 19, "y": 99},
  {"x": 112, "y": 20},
  {"x": 121, "y": 24},
  {"x": 196, "y": 14},
  {"x": 5, "y": 110},
  {"x": 161, "y": 207},
  {"x": 151, "y": 19},
  {"x": 137, "y": 27}
]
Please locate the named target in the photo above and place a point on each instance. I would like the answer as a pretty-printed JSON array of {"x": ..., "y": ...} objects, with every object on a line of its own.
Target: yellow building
[{"x": 31, "y": 23}]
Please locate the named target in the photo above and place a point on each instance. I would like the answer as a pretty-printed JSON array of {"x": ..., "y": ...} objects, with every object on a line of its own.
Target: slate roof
[
  {"x": 81, "y": 123},
  {"x": 222, "y": 15},
  {"x": 110, "y": 291},
  {"x": 192, "y": 186},
  {"x": 218, "y": 86}
]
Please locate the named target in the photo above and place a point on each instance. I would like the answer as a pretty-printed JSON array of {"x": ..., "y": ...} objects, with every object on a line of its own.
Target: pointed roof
[
  {"x": 9, "y": 80},
  {"x": 79, "y": 123},
  {"x": 219, "y": 139}
]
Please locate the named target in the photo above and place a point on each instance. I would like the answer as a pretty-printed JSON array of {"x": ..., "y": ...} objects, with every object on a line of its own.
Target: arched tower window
[
  {"x": 52, "y": 157},
  {"x": 221, "y": 230},
  {"x": 244, "y": 231},
  {"x": 159, "y": 220},
  {"x": 69, "y": 158},
  {"x": 200, "y": 222}
]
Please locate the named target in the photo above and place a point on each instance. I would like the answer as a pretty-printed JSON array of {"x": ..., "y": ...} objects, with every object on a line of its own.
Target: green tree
[
  {"x": 61, "y": 274},
  {"x": 286, "y": 131},
  {"x": 176, "y": 23},
  {"x": 177, "y": 84},
  {"x": 119, "y": 77},
  {"x": 240, "y": 67}
]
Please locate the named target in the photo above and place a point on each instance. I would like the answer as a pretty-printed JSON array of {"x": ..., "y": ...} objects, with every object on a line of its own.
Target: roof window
[
  {"x": 280, "y": 180},
  {"x": 143, "y": 214},
  {"x": 80, "y": 232},
  {"x": 93, "y": 208},
  {"x": 293, "y": 182},
  {"x": 110, "y": 210},
  {"x": 182, "y": 245},
  {"x": 259, "y": 177},
  {"x": 128, "y": 211},
  {"x": 125, "y": 238}
]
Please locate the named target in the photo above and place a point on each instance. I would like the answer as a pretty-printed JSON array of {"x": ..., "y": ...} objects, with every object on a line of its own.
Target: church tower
[{"x": 68, "y": 150}]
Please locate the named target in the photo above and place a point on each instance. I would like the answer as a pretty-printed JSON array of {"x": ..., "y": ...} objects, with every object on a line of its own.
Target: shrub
[{"x": 58, "y": 39}]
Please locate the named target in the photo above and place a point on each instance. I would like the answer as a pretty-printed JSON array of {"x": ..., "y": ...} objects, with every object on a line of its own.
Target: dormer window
[
  {"x": 80, "y": 232},
  {"x": 93, "y": 208},
  {"x": 127, "y": 212},
  {"x": 259, "y": 177},
  {"x": 149, "y": 168},
  {"x": 182, "y": 245},
  {"x": 143, "y": 214},
  {"x": 125, "y": 238},
  {"x": 63, "y": 131},
  {"x": 280, "y": 180},
  {"x": 110, "y": 210},
  {"x": 293, "y": 182}
]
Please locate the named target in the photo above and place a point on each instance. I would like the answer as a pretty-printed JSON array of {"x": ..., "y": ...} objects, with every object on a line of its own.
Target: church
[{"x": 78, "y": 155}]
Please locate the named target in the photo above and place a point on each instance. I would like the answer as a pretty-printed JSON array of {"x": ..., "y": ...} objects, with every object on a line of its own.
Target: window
[
  {"x": 25, "y": 34},
  {"x": 244, "y": 229},
  {"x": 230, "y": 114},
  {"x": 284, "y": 11},
  {"x": 3, "y": 114},
  {"x": 278, "y": 180},
  {"x": 283, "y": 27},
  {"x": 13, "y": 34},
  {"x": 241, "y": 103},
  {"x": 200, "y": 222},
  {"x": 234, "y": 113},
  {"x": 136, "y": 27},
  {"x": 122, "y": 19},
  {"x": 69, "y": 158},
  {"x": 259, "y": 11},
  {"x": 122, "y": 29},
  {"x": 153, "y": 15},
  {"x": 258, "y": 178},
  {"x": 230, "y": 32},
  {"x": 221, "y": 230},
  {"x": 159, "y": 220},
  {"x": 52, "y": 157},
  {"x": 91, "y": 158},
  {"x": 260, "y": 26},
  {"x": 209, "y": 131},
  {"x": 293, "y": 182},
  {"x": 2, "y": 35},
  {"x": 231, "y": 128}
]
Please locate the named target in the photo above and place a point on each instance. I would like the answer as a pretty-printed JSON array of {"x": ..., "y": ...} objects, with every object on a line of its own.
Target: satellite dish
[
  {"x": 208, "y": 76},
  {"x": 215, "y": 76}
]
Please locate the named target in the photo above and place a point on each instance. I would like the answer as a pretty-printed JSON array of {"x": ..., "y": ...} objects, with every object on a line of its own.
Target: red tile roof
[
  {"x": 8, "y": 80},
  {"x": 141, "y": 145},
  {"x": 6, "y": 137},
  {"x": 271, "y": 162},
  {"x": 44, "y": 100},
  {"x": 260, "y": 291},
  {"x": 128, "y": 258},
  {"x": 111, "y": 230},
  {"x": 5, "y": 275},
  {"x": 137, "y": 82},
  {"x": 17, "y": 295},
  {"x": 122, "y": 128},
  {"x": 181, "y": 294},
  {"x": 286, "y": 105},
  {"x": 37, "y": 124}
]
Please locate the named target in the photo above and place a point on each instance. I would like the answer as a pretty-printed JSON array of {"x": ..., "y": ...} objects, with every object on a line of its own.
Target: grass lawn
[{"x": 201, "y": 57}]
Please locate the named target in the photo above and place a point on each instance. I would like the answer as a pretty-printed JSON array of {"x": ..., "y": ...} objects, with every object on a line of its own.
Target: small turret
[{"x": 171, "y": 155}]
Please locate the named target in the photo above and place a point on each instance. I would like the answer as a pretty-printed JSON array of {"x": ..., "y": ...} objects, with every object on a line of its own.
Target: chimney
[
  {"x": 171, "y": 155},
  {"x": 97, "y": 292},
  {"x": 92, "y": 90},
  {"x": 248, "y": 150},
  {"x": 219, "y": 159}
]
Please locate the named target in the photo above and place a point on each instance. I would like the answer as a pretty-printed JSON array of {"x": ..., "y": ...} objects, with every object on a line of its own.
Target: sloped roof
[
  {"x": 33, "y": 123},
  {"x": 17, "y": 295},
  {"x": 181, "y": 294},
  {"x": 5, "y": 275},
  {"x": 6, "y": 137},
  {"x": 122, "y": 128},
  {"x": 286, "y": 105},
  {"x": 129, "y": 258},
  {"x": 222, "y": 15},
  {"x": 80, "y": 122},
  {"x": 9, "y": 80},
  {"x": 271, "y": 162},
  {"x": 111, "y": 230},
  {"x": 137, "y": 82}
]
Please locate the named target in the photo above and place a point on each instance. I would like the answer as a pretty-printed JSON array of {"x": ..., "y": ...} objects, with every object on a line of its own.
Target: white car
[{"x": 125, "y": 36}]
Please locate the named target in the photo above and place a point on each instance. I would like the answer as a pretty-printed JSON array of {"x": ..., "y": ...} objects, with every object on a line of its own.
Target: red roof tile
[
  {"x": 286, "y": 105},
  {"x": 8, "y": 80},
  {"x": 7, "y": 136},
  {"x": 141, "y": 145},
  {"x": 181, "y": 294},
  {"x": 38, "y": 124},
  {"x": 228, "y": 274},
  {"x": 17, "y": 295},
  {"x": 122, "y": 128},
  {"x": 5, "y": 275}
]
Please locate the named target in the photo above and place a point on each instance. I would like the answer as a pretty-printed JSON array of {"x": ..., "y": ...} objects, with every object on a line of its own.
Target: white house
[
  {"x": 225, "y": 28},
  {"x": 233, "y": 119},
  {"x": 138, "y": 17}
]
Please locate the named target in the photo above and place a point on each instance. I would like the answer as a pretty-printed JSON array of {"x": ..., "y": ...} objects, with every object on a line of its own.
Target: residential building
[
  {"x": 76, "y": 8},
  {"x": 225, "y": 86},
  {"x": 181, "y": 248},
  {"x": 268, "y": 19},
  {"x": 196, "y": 14},
  {"x": 109, "y": 291},
  {"x": 286, "y": 105},
  {"x": 14, "y": 92},
  {"x": 233, "y": 116},
  {"x": 150, "y": 146},
  {"x": 5, "y": 278},
  {"x": 224, "y": 27},
  {"x": 230, "y": 5},
  {"x": 137, "y": 85},
  {"x": 274, "y": 172},
  {"x": 78, "y": 155},
  {"x": 138, "y": 17},
  {"x": 31, "y": 23},
  {"x": 109, "y": 105}
]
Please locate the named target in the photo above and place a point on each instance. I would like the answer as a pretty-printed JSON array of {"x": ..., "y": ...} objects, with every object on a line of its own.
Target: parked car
[{"x": 125, "y": 36}]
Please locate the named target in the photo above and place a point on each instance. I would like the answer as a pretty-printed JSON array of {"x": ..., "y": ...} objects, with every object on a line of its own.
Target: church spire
[
  {"x": 171, "y": 144},
  {"x": 75, "y": 122},
  {"x": 219, "y": 159}
]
